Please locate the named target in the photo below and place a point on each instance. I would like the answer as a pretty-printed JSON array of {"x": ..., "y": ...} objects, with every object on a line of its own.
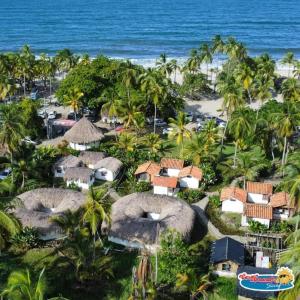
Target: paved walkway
[{"x": 199, "y": 208}]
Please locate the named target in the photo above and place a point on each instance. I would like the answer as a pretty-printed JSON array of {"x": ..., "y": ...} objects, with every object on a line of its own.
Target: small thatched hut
[
  {"x": 38, "y": 206},
  {"x": 91, "y": 158},
  {"x": 108, "y": 168},
  {"x": 83, "y": 135},
  {"x": 138, "y": 219},
  {"x": 81, "y": 176},
  {"x": 65, "y": 163}
]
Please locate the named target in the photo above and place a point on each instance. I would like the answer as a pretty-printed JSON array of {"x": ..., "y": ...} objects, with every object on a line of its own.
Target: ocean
[{"x": 143, "y": 29}]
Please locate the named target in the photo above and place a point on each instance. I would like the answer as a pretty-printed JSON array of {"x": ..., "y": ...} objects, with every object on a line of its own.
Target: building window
[
  {"x": 265, "y": 197},
  {"x": 103, "y": 173},
  {"x": 226, "y": 267},
  {"x": 59, "y": 170}
]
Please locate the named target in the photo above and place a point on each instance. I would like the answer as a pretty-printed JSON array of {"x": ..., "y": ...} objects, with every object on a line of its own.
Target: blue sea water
[{"x": 142, "y": 29}]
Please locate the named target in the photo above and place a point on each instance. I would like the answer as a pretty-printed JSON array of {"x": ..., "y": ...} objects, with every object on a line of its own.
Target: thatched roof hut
[
  {"x": 84, "y": 132},
  {"x": 90, "y": 158},
  {"x": 137, "y": 218},
  {"x": 38, "y": 206},
  {"x": 110, "y": 163},
  {"x": 79, "y": 173},
  {"x": 69, "y": 161}
]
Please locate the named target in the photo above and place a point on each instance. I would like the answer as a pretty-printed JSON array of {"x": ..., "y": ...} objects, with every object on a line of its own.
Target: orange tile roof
[
  {"x": 170, "y": 182},
  {"x": 172, "y": 163},
  {"x": 192, "y": 171},
  {"x": 234, "y": 193},
  {"x": 259, "y": 188},
  {"x": 261, "y": 211},
  {"x": 281, "y": 199},
  {"x": 149, "y": 167}
]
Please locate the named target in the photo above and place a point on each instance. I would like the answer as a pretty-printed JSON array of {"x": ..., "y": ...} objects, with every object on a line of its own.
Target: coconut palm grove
[{"x": 119, "y": 181}]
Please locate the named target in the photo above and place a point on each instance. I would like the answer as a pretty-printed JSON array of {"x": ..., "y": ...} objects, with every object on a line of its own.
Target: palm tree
[
  {"x": 180, "y": 132},
  {"x": 284, "y": 123},
  {"x": 193, "y": 62},
  {"x": 21, "y": 286},
  {"x": 218, "y": 46},
  {"x": 153, "y": 143},
  {"x": 173, "y": 66},
  {"x": 127, "y": 141},
  {"x": 163, "y": 65},
  {"x": 206, "y": 55},
  {"x": 246, "y": 76},
  {"x": 95, "y": 213},
  {"x": 154, "y": 89},
  {"x": 240, "y": 127},
  {"x": 8, "y": 227},
  {"x": 288, "y": 59},
  {"x": 129, "y": 77},
  {"x": 291, "y": 89},
  {"x": 66, "y": 60},
  {"x": 249, "y": 164},
  {"x": 296, "y": 71},
  {"x": 11, "y": 130},
  {"x": 73, "y": 99}
]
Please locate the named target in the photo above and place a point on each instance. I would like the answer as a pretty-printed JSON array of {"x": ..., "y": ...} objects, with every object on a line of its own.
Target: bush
[
  {"x": 209, "y": 175},
  {"x": 27, "y": 239},
  {"x": 215, "y": 201},
  {"x": 74, "y": 186},
  {"x": 257, "y": 227},
  {"x": 223, "y": 227},
  {"x": 281, "y": 226},
  {"x": 191, "y": 196},
  {"x": 142, "y": 186}
]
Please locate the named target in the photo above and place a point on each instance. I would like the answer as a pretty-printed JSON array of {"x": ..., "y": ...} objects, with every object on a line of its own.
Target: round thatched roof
[
  {"x": 84, "y": 132},
  {"x": 130, "y": 221},
  {"x": 39, "y": 205}
]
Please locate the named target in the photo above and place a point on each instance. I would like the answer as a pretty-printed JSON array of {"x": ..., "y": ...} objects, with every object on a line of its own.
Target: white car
[
  {"x": 43, "y": 114},
  {"x": 28, "y": 140},
  {"x": 167, "y": 130},
  {"x": 5, "y": 173},
  {"x": 160, "y": 123},
  {"x": 222, "y": 124},
  {"x": 52, "y": 115}
]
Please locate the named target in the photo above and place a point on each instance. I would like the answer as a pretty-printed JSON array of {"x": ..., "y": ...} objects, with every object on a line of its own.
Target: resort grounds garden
[{"x": 253, "y": 145}]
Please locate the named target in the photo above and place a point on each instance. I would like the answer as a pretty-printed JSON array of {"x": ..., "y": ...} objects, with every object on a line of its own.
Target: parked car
[
  {"x": 5, "y": 173},
  {"x": 160, "y": 122},
  {"x": 119, "y": 129},
  {"x": 56, "y": 103},
  {"x": 34, "y": 95},
  {"x": 43, "y": 114},
  {"x": 73, "y": 116},
  {"x": 28, "y": 140},
  {"x": 52, "y": 115},
  {"x": 190, "y": 116},
  {"x": 167, "y": 130}
]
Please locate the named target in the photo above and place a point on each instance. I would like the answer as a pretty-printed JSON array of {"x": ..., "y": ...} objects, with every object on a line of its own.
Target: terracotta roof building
[
  {"x": 259, "y": 188},
  {"x": 191, "y": 171},
  {"x": 259, "y": 211},
  {"x": 172, "y": 163},
  {"x": 147, "y": 170},
  {"x": 169, "y": 182},
  {"x": 281, "y": 199},
  {"x": 233, "y": 193}
]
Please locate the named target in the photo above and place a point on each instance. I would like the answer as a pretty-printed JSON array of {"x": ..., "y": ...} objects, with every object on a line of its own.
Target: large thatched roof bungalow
[
  {"x": 37, "y": 206},
  {"x": 108, "y": 168},
  {"x": 137, "y": 220},
  {"x": 65, "y": 163},
  {"x": 83, "y": 135},
  {"x": 91, "y": 158},
  {"x": 81, "y": 176}
]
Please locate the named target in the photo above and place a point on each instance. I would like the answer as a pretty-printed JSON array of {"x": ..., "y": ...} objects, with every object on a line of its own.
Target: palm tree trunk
[
  {"x": 235, "y": 152},
  {"x": 12, "y": 173},
  {"x": 244, "y": 179},
  {"x": 249, "y": 95},
  {"x": 94, "y": 250},
  {"x": 223, "y": 135},
  {"x": 283, "y": 155},
  {"x": 296, "y": 229},
  {"x": 23, "y": 180},
  {"x": 24, "y": 85},
  {"x": 154, "y": 123}
]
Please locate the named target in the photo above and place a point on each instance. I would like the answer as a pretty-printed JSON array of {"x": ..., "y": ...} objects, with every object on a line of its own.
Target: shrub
[
  {"x": 257, "y": 227},
  {"x": 215, "y": 201},
  {"x": 209, "y": 175},
  {"x": 74, "y": 186},
  {"x": 191, "y": 196},
  {"x": 26, "y": 239},
  {"x": 142, "y": 186}
]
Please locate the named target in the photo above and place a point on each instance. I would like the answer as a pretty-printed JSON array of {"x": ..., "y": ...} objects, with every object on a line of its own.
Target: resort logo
[{"x": 281, "y": 281}]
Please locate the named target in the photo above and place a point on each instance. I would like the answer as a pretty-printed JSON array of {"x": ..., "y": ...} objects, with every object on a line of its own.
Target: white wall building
[
  {"x": 91, "y": 158},
  {"x": 259, "y": 192},
  {"x": 64, "y": 163},
  {"x": 108, "y": 168},
  {"x": 233, "y": 199},
  {"x": 171, "y": 167},
  {"x": 165, "y": 185},
  {"x": 190, "y": 177},
  {"x": 81, "y": 176},
  {"x": 257, "y": 212}
]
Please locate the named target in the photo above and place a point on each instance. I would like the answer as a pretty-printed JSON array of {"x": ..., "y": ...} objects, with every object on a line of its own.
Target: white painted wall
[
  {"x": 83, "y": 185},
  {"x": 83, "y": 147},
  {"x": 245, "y": 221},
  {"x": 225, "y": 273},
  {"x": 61, "y": 174},
  {"x": 189, "y": 182},
  {"x": 173, "y": 172},
  {"x": 257, "y": 198},
  {"x": 160, "y": 190},
  {"x": 232, "y": 206},
  {"x": 104, "y": 174}
]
